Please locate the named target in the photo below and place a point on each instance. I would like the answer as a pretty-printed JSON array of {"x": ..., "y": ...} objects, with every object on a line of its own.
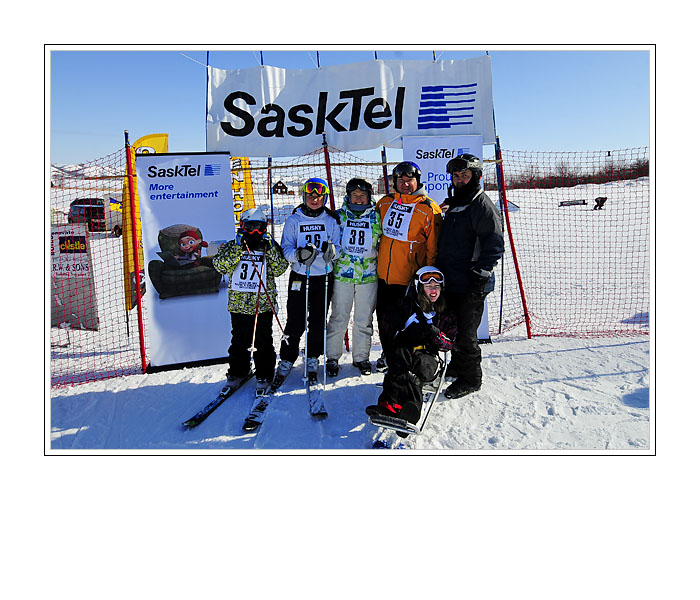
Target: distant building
[
  {"x": 280, "y": 188},
  {"x": 381, "y": 188}
]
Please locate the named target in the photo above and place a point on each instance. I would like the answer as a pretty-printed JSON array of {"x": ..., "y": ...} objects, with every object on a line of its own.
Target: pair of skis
[
  {"x": 252, "y": 421},
  {"x": 314, "y": 390},
  {"x": 263, "y": 400},
  {"x": 226, "y": 392},
  {"x": 256, "y": 416}
]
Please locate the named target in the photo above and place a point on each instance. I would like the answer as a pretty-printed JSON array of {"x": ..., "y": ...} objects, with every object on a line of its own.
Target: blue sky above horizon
[{"x": 544, "y": 100}]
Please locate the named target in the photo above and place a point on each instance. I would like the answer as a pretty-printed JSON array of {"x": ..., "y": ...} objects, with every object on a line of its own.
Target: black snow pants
[
  {"x": 296, "y": 315},
  {"x": 466, "y": 354},
  {"x": 403, "y": 382},
  {"x": 264, "y": 356}
]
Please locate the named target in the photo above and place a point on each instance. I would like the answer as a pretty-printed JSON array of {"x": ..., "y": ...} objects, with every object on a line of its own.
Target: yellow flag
[{"x": 155, "y": 143}]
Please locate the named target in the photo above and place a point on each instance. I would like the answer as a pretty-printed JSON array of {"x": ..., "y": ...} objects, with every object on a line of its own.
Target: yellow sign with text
[{"x": 242, "y": 183}]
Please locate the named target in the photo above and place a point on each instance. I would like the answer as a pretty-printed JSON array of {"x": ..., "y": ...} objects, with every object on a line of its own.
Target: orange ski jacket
[{"x": 410, "y": 228}]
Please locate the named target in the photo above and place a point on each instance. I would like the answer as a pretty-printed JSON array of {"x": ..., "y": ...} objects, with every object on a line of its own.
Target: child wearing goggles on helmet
[
  {"x": 252, "y": 260},
  {"x": 309, "y": 240},
  {"x": 425, "y": 327}
]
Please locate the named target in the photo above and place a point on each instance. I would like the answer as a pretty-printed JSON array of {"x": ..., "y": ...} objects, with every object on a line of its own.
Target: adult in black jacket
[
  {"x": 470, "y": 245},
  {"x": 425, "y": 327}
]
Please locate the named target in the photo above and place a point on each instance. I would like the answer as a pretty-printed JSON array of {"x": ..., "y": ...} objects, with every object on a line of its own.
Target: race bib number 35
[{"x": 396, "y": 221}]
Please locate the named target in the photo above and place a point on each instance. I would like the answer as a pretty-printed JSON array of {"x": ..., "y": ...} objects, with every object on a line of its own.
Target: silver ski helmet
[{"x": 466, "y": 161}]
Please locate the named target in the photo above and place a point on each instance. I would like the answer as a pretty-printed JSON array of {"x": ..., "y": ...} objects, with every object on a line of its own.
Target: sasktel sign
[{"x": 281, "y": 112}]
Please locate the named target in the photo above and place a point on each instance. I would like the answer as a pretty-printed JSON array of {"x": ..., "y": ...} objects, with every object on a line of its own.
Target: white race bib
[
  {"x": 357, "y": 237},
  {"x": 245, "y": 278},
  {"x": 396, "y": 221},
  {"x": 311, "y": 233}
]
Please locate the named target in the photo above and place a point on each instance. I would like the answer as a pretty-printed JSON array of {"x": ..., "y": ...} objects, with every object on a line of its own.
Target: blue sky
[{"x": 544, "y": 100}]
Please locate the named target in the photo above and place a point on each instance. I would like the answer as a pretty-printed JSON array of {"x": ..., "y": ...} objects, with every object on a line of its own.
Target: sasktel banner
[
  {"x": 283, "y": 112},
  {"x": 186, "y": 215}
]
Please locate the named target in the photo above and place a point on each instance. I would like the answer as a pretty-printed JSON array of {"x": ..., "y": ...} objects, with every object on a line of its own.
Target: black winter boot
[
  {"x": 364, "y": 366},
  {"x": 461, "y": 387},
  {"x": 332, "y": 367}
]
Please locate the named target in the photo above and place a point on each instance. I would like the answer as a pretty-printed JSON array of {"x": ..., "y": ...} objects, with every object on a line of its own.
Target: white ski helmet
[
  {"x": 428, "y": 274},
  {"x": 253, "y": 214}
]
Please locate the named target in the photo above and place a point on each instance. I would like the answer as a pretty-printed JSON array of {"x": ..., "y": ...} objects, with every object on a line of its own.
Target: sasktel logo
[
  {"x": 185, "y": 171},
  {"x": 361, "y": 105},
  {"x": 444, "y": 106},
  {"x": 439, "y": 107}
]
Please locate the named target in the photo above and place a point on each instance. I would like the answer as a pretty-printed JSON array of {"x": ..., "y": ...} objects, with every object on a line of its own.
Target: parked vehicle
[{"x": 97, "y": 214}]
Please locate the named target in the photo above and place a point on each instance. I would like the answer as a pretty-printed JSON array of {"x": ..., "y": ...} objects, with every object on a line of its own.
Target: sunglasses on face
[
  {"x": 313, "y": 187},
  {"x": 431, "y": 276}
]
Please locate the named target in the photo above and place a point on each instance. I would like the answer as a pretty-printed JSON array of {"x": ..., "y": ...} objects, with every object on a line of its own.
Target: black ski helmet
[
  {"x": 466, "y": 161},
  {"x": 406, "y": 168},
  {"x": 359, "y": 184}
]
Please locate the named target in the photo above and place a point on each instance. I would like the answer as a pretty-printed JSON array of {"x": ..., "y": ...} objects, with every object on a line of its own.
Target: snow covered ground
[
  {"x": 544, "y": 394},
  {"x": 547, "y": 394}
]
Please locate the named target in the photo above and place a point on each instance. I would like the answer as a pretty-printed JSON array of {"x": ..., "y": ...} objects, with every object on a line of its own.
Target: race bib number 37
[{"x": 245, "y": 278}]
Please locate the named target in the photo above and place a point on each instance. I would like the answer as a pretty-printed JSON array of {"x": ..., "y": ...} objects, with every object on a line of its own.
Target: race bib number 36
[
  {"x": 396, "y": 221},
  {"x": 311, "y": 233},
  {"x": 245, "y": 278}
]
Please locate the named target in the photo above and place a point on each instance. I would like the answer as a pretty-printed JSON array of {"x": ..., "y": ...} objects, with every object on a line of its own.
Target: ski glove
[
  {"x": 478, "y": 278},
  {"x": 416, "y": 334},
  {"x": 328, "y": 250},
  {"x": 267, "y": 243},
  {"x": 307, "y": 255}
]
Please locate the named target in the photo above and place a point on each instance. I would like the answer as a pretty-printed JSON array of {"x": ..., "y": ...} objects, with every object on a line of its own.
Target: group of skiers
[{"x": 426, "y": 274}]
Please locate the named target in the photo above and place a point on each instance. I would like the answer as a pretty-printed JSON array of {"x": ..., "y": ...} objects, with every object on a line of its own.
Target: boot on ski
[{"x": 332, "y": 367}]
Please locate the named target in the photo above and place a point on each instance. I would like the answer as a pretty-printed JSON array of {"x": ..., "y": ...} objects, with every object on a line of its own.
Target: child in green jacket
[{"x": 249, "y": 259}]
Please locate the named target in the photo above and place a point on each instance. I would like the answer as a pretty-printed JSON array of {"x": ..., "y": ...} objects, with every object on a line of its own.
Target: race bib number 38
[
  {"x": 357, "y": 237},
  {"x": 245, "y": 278},
  {"x": 396, "y": 221}
]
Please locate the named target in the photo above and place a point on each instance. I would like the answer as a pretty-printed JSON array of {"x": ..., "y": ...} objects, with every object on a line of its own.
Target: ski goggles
[
  {"x": 357, "y": 185},
  {"x": 429, "y": 276},
  {"x": 406, "y": 169},
  {"x": 315, "y": 187},
  {"x": 254, "y": 226}
]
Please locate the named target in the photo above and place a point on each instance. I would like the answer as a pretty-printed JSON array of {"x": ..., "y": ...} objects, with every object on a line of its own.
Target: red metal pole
[
  {"x": 327, "y": 160},
  {"x": 385, "y": 172},
  {"x": 502, "y": 183},
  {"x": 134, "y": 244}
]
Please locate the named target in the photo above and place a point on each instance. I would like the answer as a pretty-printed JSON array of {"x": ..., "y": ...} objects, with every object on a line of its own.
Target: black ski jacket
[{"x": 470, "y": 244}]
